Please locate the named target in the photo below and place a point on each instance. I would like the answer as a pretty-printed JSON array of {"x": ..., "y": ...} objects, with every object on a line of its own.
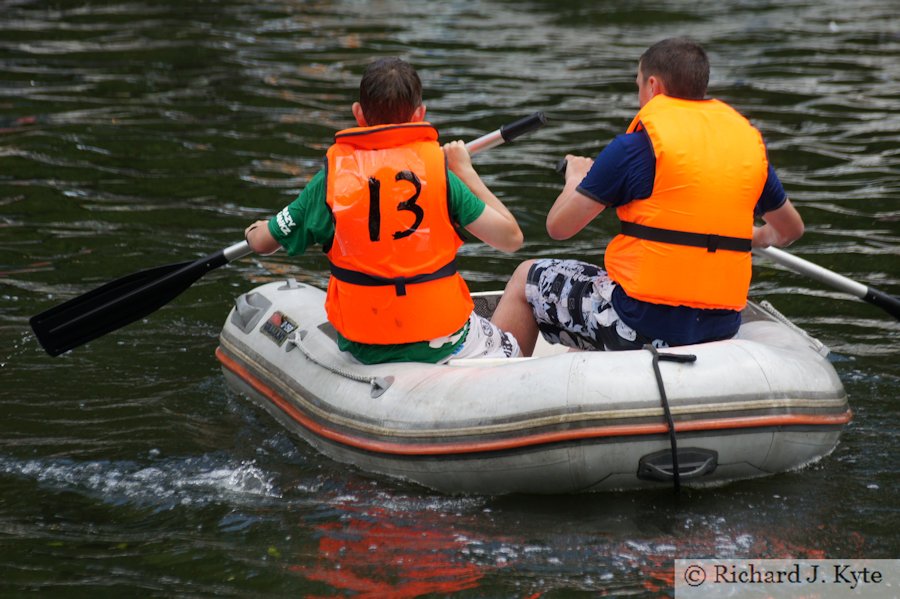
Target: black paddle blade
[{"x": 116, "y": 304}]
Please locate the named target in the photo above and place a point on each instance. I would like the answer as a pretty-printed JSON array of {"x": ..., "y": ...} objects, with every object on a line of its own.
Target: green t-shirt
[{"x": 307, "y": 221}]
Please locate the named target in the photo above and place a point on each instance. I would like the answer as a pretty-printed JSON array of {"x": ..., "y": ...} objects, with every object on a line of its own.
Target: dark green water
[{"x": 160, "y": 129}]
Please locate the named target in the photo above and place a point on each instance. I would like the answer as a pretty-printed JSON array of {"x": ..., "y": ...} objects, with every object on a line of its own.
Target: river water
[{"x": 134, "y": 134}]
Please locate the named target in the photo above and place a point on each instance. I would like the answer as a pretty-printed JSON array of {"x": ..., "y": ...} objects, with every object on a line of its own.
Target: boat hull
[{"x": 765, "y": 402}]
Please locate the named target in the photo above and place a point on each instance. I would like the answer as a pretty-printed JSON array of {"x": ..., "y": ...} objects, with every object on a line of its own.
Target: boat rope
[
  {"x": 684, "y": 358},
  {"x": 378, "y": 384},
  {"x": 814, "y": 343}
]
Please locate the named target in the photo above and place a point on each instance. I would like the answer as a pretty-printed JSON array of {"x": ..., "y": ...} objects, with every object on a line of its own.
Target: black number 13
[{"x": 408, "y": 205}]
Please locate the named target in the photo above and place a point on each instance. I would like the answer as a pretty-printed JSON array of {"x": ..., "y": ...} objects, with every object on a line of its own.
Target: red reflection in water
[
  {"x": 382, "y": 553},
  {"x": 377, "y": 555}
]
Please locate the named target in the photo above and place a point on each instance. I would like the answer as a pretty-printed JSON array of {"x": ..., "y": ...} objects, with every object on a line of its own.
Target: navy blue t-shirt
[{"x": 624, "y": 171}]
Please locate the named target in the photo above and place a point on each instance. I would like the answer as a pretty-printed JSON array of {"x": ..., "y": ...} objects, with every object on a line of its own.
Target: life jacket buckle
[
  {"x": 712, "y": 243},
  {"x": 400, "y": 286}
]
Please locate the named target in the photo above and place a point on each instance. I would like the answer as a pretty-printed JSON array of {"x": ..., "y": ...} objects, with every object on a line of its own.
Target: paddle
[
  {"x": 885, "y": 301},
  {"x": 130, "y": 298}
]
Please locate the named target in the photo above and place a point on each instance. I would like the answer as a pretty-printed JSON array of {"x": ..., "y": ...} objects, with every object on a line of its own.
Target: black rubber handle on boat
[
  {"x": 681, "y": 358},
  {"x": 522, "y": 126}
]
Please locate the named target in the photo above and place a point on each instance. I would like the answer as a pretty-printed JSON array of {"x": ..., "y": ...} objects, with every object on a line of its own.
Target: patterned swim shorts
[
  {"x": 485, "y": 340},
  {"x": 572, "y": 303}
]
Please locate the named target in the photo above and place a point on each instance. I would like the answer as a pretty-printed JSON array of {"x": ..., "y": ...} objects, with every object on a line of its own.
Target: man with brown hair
[{"x": 686, "y": 180}]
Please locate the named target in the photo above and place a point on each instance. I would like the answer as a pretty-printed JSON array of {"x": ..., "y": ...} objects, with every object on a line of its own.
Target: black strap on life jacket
[
  {"x": 712, "y": 243},
  {"x": 355, "y": 277}
]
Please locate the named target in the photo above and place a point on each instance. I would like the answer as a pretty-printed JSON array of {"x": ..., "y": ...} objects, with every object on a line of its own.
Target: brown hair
[
  {"x": 681, "y": 64},
  {"x": 389, "y": 92}
]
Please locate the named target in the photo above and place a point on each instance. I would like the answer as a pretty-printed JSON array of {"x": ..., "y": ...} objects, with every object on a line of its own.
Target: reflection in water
[
  {"x": 380, "y": 553},
  {"x": 135, "y": 134}
]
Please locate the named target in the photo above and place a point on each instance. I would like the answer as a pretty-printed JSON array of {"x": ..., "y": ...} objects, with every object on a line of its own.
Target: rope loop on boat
[
  {"x": 378, "y": 384},
  {"x": 814, "y": 343},
  {"x": 683, "y": 358}
]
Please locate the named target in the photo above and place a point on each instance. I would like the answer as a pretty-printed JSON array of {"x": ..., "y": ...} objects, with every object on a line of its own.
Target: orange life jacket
[
  {"x": 688, "y": 244},
  {"x": 394, "y": 277}
]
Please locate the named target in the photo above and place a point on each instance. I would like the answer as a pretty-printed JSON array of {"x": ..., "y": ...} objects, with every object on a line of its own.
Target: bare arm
[
  {"x": 572, "y": 210},
  {"x": 260, "y": 239},
  {"x": 782, "y": 227},
  {"x": 496, "y": 226}
]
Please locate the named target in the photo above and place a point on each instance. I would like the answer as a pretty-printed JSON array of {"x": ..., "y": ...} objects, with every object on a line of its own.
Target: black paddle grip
[
  {"x": 524, "y": 125},
  {"x": 562, "y": 165},
  {"x": 887, "y": 302}
]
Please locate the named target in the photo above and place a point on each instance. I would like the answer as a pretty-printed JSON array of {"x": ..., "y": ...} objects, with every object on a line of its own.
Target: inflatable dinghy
[{"x": 763, "y": 402}]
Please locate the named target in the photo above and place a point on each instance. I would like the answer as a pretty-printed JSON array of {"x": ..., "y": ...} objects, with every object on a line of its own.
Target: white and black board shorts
[
  {"x": 483, "y": 340},
  {"x": 572, "y": 304}
]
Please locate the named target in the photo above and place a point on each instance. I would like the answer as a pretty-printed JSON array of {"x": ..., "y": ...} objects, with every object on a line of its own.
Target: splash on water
[{"x": 161, "y": 485}]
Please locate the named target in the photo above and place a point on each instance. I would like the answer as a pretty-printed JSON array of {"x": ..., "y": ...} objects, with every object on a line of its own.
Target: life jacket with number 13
[
  {"x": 394, "y": 277},
  {"x": 688, "y": 244}
]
